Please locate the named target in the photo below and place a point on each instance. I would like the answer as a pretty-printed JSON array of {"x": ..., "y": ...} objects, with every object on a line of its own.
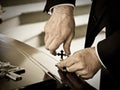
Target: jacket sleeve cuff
[
  {"x": 52, "y": 3},
  {"x": 51, "y": 9}
]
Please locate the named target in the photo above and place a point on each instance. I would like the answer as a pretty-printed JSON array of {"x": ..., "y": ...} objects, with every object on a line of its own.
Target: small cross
[{"x": 61, "y": 54}]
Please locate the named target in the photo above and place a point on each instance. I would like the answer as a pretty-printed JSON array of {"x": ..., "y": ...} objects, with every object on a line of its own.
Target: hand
[
  {"x": 60, "y": 29},
  {"x": 84, "y": 63}
]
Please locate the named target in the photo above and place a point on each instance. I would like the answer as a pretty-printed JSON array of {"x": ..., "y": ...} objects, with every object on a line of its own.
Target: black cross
[{"x": 61, "y": 54}]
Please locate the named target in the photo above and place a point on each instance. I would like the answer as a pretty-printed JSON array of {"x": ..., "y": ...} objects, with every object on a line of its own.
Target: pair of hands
[{"x": 60, "y": 29}]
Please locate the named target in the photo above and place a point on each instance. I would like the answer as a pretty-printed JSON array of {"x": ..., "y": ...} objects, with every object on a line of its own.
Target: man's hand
[
  {"x": 84, "y": 63},
  {"x": 60, "y": 29}
]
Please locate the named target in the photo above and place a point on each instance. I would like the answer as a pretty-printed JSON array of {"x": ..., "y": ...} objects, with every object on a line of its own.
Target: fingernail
[
  {"x": 56, "y": 65},
  {"x": 64, "y": 69},
  {"x": 67, "y": 54},
  {"x": 53, "y": 53}
]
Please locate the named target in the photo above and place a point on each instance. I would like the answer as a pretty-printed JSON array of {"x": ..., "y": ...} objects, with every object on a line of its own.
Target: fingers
[
  {"x": 48, "y": 41},
  {"x": 84, "y": 74},
  {"x": 81, "y": 73},
  {"x": 73, "y": 64},
  {"x": 67, "y": 44},
  {"x": 52, "y": 43},
  {"x": 75, "y": 67},
  {"x": 66, "y": 62}
]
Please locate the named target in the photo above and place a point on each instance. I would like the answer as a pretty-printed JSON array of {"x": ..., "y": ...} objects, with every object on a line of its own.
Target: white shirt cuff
[
  {"x": 98, "y": 56},
  {"x": 51, "y": 9}
]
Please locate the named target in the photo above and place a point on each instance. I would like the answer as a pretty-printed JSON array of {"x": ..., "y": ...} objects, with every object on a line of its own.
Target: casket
[{"x": 37, "y": 75}]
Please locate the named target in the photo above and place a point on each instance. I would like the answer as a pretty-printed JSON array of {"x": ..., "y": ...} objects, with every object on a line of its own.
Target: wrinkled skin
[
  {"x": 83, "y": 62},
  {"x": 60, "y": 29}
]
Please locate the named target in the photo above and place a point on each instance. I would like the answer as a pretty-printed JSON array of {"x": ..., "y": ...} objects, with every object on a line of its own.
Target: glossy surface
[
  {"x": 39, "y": 67},
  {"x": 24, "y": 56}
]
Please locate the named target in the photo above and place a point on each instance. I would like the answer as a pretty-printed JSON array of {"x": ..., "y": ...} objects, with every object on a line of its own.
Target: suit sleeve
[
  {"x": 51, "y": 3},
  {"x": 109, "y": 51},
  {"x": 109, "y": 48}
]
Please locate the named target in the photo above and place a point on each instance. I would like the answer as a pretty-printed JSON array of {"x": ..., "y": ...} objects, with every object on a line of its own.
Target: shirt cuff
[
  {"x": 98, "y": 56},
  {"x": 51, "y": 9}
]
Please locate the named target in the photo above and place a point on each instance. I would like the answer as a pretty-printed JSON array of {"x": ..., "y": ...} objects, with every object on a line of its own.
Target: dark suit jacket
[{"x": 104, "y": 13}]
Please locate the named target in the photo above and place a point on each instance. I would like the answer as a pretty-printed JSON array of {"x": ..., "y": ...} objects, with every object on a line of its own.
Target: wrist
[{"x": 64, "y": 9}]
